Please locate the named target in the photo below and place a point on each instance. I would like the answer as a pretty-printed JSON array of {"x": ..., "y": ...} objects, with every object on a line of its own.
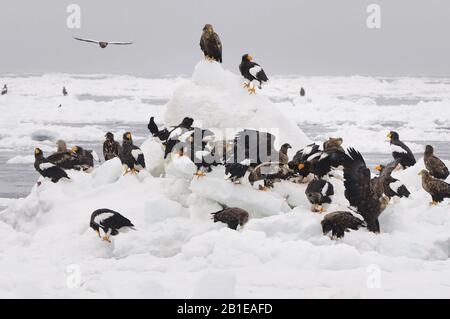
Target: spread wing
[
  {"x": 120, "y": 43},
  {"x": 356, "y": 179},
  {"x": 87, "y": 40}
]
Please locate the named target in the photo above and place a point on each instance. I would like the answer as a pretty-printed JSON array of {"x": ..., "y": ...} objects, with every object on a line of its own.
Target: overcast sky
[{"x": 305, "y": 37}]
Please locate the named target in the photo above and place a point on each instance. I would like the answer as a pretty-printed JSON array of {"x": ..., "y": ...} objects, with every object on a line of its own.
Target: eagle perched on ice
[
  {"x": 48, "y": 169},
  {"x": 210, "y": 44},
  {"x": 252, "y": 71},
  {"x": 131, "y": 156},
  {"x": 112, "y": 223}
]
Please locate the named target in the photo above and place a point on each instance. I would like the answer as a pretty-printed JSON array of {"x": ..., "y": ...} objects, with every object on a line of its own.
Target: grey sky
[{"x": 314, "y": 37}]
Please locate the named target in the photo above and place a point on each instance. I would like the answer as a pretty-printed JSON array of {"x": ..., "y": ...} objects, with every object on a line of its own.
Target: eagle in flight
[{"x": 103, "y": 44}]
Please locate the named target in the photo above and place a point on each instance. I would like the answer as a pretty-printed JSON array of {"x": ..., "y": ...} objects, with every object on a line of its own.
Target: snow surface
[
  {"x": 216, "y": 100},
  {"x": 47, "y": 249}
]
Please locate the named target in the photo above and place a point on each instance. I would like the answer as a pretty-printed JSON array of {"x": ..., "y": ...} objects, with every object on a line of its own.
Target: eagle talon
[
  {"x": 433, "y": 203},
  {"x": 252, "y": 90},
  {"x": 200, "y": 174},
  {"x": 126, "y": 172},
  {"x": 106, "y": 238}
]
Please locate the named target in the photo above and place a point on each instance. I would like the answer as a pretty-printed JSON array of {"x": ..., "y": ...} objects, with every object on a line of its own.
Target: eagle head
[
  {"x": 127, "y": 136},
  {"x": 208, "y": 28}
]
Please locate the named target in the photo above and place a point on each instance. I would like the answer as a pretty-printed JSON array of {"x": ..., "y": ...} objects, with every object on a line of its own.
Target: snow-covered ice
[{"x": 47, "y": 249}]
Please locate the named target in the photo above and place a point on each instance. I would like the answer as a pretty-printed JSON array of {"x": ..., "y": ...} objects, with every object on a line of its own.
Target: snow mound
[{"x": 216, "y": 100}]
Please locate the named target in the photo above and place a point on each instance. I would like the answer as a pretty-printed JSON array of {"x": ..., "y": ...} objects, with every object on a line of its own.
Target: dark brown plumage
[
  {"x": 339, "y": 223},
  {"x": 434, "y": 165},
  {"x": 333, "y": 144},
  {"x": 359, "y": 191},
  {"x": 210, "y": 44},
  {"x": 283, "y": 154},
  {"x": 63, "y": 157},
  {"x": 111, "y": 148},
  {"x": 435, "y": 187},
  {"x": 232, "y": 216}
]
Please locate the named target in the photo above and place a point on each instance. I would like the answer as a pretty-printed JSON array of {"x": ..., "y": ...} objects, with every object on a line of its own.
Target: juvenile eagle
[
  {"x": 210, "y": 44},
  {"x": 232, "y": 216},
  {"x": 434, "y": 165},
  {"x": 111, "y": 148},
  {"x": 400, "y": 151},
  {"x": 360, "y": 192},
  {"x": 339, "y": 223},
  {"x": 435, "y": 187},
  {"x": 63, "y": 157},
  {"x": 46, "y": 168},
  {"x": 103, "y": 44},
  {"x": 112, "y": 223},
  {"x": 252, "y": 71}
]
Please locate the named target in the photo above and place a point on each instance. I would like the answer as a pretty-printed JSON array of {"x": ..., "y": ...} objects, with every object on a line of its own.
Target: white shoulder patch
[
  {"x": 176, "y": 132},
  {"x": 397, "y": 149},
  {"x": 313, "y": 156},
  {"x": 307, "y": 150},
  {"x": 395, "y": 186},
  {"x": 101, "y": 217},
  {"x": 136, "y": 153},
  {"x": 325, "y": 189},
  {"x": 255, "y": 70},
  {"x": 323, "y": 156},
  {"x": 45, "y": 166}
]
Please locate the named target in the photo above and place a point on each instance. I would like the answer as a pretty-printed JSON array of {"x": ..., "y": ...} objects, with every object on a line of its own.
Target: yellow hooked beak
[
  {"x": 301, "y": 166},
  {"x": 378, "y": 168},
  {"x": 36, "y": 151},
  {"x": 128, "y": 136},
  {"x": 74, "y": 149},
  {"x": 250, "y": 58},
  {"x": 389, "y": 135}
]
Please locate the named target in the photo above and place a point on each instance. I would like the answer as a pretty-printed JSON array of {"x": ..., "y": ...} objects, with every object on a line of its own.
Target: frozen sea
[
  {"x": 48, "y": 250},
  {"x": 360, "y": 109}
]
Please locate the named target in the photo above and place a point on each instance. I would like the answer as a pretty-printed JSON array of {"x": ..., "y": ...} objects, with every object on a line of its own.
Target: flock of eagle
[{"x": 252, "y": 155}]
